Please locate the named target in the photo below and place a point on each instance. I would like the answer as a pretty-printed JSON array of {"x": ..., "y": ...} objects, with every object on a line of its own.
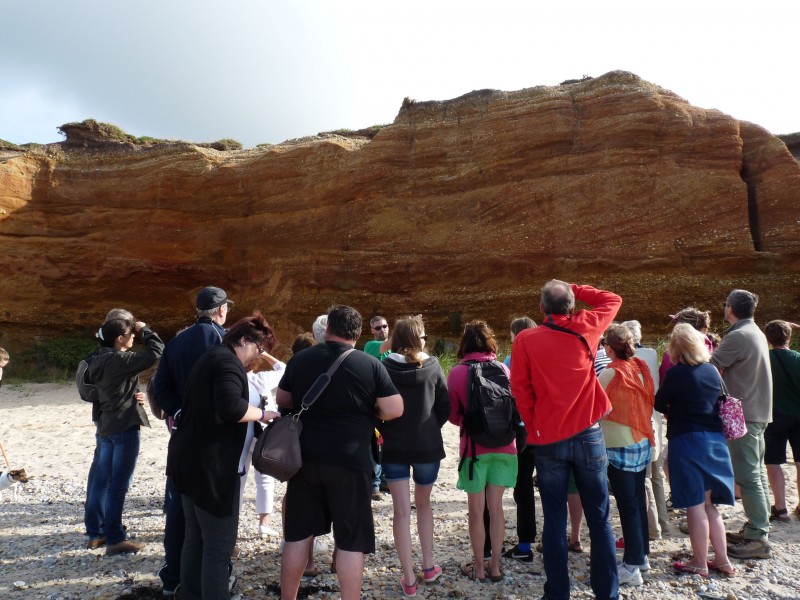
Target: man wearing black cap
[{"x": 176, "y": 363}]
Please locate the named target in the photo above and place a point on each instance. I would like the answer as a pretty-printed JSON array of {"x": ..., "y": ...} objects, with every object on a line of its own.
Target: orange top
[{"x": 631, "y": 400}]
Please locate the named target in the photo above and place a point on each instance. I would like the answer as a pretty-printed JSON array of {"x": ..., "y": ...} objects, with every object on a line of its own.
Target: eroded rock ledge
[{"x": 459, "y": 209}]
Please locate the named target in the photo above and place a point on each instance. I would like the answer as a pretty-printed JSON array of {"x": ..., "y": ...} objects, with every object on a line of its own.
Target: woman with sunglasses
[
  {"x": 204, "y": 453},
  {"x": 413, "y": 442}
]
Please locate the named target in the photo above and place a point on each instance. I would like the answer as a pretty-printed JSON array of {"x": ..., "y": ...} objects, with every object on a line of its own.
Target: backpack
[
  {"x": 491, "y": 418},
  {"x": 86, "y": 387}
]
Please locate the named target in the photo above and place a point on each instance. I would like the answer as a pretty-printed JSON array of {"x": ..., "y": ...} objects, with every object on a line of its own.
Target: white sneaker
[
  {"x": 264, "y": 532},
  {"x": 629, "y": 575},
  {"x": 645, "y": 566}
]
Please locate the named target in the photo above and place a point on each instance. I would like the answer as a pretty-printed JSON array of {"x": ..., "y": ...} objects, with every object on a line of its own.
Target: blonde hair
[
  {"x": 687, "y": 345},
  {"x": 407, "y": 339}
]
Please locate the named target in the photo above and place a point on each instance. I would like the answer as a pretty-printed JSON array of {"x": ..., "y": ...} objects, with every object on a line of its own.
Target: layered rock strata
[{"x": 459, "y": 209}]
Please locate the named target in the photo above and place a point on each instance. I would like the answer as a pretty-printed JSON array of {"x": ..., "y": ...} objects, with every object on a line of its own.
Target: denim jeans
[
  {"x": 629, "y": 492},
  {"x": 585, "y": 455},
  {"x": 95, "y": 504},
  {"x": 206, "y": 556},
  {"x": 749, "y": 471},
  {"x": 116, "y": 461}
]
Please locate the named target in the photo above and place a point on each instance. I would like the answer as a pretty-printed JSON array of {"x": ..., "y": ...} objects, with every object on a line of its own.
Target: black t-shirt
[{"x": 338, "y": 427}]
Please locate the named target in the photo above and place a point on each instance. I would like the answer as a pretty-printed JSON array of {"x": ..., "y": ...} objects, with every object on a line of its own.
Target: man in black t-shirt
[{"x": 334, "y": 486}]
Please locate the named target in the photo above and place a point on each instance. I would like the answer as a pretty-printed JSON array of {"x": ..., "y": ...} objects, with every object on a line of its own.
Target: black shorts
[
  {"x": 321, "y": 495},
  {"x": 783, "y": 428}
]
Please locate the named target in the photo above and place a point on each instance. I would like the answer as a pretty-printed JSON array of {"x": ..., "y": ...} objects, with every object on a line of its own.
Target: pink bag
[{"x": 731, "y": 415}]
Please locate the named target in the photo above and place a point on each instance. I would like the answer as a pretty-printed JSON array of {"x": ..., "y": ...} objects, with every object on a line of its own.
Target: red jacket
[{"x": 552, "y": 373}]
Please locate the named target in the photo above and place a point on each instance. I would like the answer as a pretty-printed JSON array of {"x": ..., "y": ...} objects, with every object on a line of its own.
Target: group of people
[{"x": 580, "y": 429}]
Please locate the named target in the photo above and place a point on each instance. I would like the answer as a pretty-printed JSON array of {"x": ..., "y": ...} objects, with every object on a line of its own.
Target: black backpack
[
  {"x": 86, "y": 387},
  {"x": 491, "y": 418}
]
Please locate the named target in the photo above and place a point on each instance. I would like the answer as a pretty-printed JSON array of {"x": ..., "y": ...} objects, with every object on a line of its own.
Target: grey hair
[
  {"x": 557, "y": 298},
  {"x": 319, "y": 327},
  {"x": 210, "y": 313},
  {"x": 742, "y": 303},
  {"x": 635, "y": 328},
  {"x": 119, "y": 313}
]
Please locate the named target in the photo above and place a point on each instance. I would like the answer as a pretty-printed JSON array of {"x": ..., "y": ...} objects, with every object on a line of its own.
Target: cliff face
[{"x": 459, "y": 210}]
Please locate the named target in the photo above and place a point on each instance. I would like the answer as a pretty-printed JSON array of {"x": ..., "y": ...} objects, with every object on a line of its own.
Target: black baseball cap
[{"x": 211, "y": 297}]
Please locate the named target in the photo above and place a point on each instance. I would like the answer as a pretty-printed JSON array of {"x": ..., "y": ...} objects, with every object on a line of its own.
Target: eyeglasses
[
  {"x": 259, "y": 348},
  {"x": 424, "y": 338},
  {"x": 379, "y": 327}
]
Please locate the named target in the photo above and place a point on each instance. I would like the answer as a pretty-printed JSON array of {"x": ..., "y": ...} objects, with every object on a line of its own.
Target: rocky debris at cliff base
[{"x": 43, "y": 554}]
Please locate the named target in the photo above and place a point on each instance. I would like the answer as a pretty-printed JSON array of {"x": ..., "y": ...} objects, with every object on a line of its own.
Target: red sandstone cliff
[{"x": 459, "y": 209}]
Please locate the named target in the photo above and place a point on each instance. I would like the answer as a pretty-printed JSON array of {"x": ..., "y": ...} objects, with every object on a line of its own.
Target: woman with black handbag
[{"x": 204, "y": 454}]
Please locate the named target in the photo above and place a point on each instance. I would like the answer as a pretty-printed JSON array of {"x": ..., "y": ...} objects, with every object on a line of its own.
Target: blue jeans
[
  {"x": 585, "y": 455},
  {"x": 95, "y": 504},
  {"x": 629, "y": 492},
  {"x": 113, "y": 472}
]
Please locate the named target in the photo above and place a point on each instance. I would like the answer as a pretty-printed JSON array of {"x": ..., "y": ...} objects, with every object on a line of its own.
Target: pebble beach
[{"x": 47, "y": 429}]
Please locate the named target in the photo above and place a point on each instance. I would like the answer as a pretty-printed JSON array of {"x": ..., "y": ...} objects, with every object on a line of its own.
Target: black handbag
[{"x": 277, "y": 452}]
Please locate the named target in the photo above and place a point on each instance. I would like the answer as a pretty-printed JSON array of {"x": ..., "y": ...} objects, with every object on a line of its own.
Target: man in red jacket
[{"x": 561, "y": 402}]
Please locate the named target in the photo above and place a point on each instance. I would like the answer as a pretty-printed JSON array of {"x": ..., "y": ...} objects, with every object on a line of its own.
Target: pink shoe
[
  {"x": 432, "y": 574},
  {"x": 408, "y": 590}
]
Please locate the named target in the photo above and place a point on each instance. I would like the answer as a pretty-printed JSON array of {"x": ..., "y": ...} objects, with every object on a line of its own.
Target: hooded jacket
[
  {"x": 416, "y": 436},
  {"x": 116, "y": 375}
]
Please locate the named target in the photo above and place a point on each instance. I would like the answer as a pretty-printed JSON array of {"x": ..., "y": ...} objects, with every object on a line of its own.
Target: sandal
[
  {"x": 682, "y": 567},
  {"x": 781, "y": 515},
  {"x": 468, "y": 571},
  {"x": 575, "y": 546},
  {"x": 493, "y": 578},
  {"x": 725, "y": 569},
  {"x": 309, "y": 574}
]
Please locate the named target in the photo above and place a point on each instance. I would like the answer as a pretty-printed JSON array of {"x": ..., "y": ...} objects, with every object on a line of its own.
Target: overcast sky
[{"x": 263, "y": 71}]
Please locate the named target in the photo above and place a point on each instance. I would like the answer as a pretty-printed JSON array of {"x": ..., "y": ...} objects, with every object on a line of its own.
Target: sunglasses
[
  {"x": 424, "y": 338},
  {"x": 379, "y": 327}
]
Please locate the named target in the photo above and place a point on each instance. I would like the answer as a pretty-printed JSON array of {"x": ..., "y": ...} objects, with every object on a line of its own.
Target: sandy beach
[{"x": 47, "y": 429}]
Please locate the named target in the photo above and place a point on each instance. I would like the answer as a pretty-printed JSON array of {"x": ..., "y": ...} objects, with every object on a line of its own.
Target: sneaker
[
  {"x": 231, "y": 583},
  {"x": 409, "y": 591},
  {"x": 432, "y": 574},
  {"x": 645, "y": 566},
  {"x": 517, "y": 554},
  {"x": 265, "y": 532},
  {"x": 629, "y": 575},
  {"x": 751, "y": 549},
  {"x": 376, "y": 494},
  {"x": 736, "y": 537},
  {"x": 620, "y": 545},
  {"x": 124, "y": 547},
  {"x": 171, "y": 592}
]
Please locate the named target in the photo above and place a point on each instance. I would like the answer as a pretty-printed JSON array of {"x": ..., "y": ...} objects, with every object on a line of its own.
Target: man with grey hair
[
  {"x": 561, "y": 403},
  {"x": 179, "y": 357},
  {"x": 743, "y": 360}
]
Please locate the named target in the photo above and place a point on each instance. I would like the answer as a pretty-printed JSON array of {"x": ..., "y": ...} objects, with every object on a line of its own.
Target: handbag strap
[
  {"x": 555, "y": 327},
  {"x": 723, "y": 393},
  {"x": 325, "y": 378}
]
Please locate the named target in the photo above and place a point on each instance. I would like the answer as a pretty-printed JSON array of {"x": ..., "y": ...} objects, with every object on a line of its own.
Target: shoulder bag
[
  {"x": 277, "y": 452},
  {"x": 731, "y": 414}
]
